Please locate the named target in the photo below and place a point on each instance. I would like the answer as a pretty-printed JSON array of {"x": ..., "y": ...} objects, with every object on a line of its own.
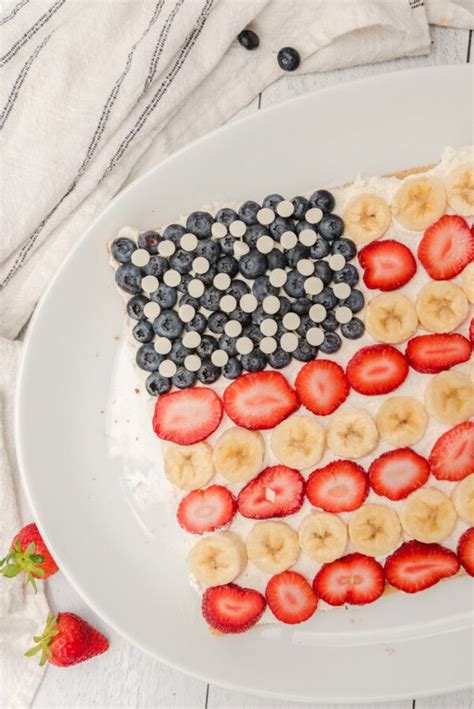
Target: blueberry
[
  {"x": 168, "y": 324},
  {"x": 182, "y": 286},
  {"x": 272, "y": 200},
  {"x": 189, "y": 300},
  {"x": 156, "y": 266},
  {"x": 143, "y": 331},
  {"x": 259, "y": 315},
  {"x": 349, "y": 274},
  {"x": 229, "y": 265},
  {"x": 208, "y": 373},
  {"x": 253, "y": 234},
  {"x": 253, "y": 264},
  {"x": 156, "y": 384},
  {"x": 226, "y": 216},
  {"x": 197, "y": 324},
  {"x": 149, "y": 240},
  {"x": 279, "y": 225},
  {"x": 243, "y": 318},
  {"x": 355, "y": 301},
  {"x": 208, "y": 249},
  {"x": 326, "y": 298},
  {"x": 183, "y": 379},
  {"x": 344, "y": 247},
  {"x": 254, "y": 333},
  {"x": 248, "y": 212},
  {"x": 226, "y": 244},
  {"x": 323, "y": 271},
  {"x": 135, "y": 307},
  {"x": 320, "y": 249},
  {"x": 237, "y": 289},
  {"x": 331, "y": 227},
  {"x": 294, "y": 255},
  {"x": 147, "y": 358},
  {"x": 276, "y": 259},
  {"x": 248, "y": 39},
  {"x": 182, "y": 261},
  {"x": 294, "y": 285},
  {"x": 122, "y": 249},
  {"x": 208, "y": 277},
  {"x": 227, "y": 344},
  {"x": 288, "y": 59},
  {"x": 279, "y": 358},
  {"x": 331, "y": 343},
  {"x": 200, "y": 224},
  {"x": 174, "y": 232},
  {"x": 305, "y": 352},
  {"x": 330, "y": 323},
  {"x": 322, "y": 199},
  {"x": 206, "y": 347},
  {"x": 302, "y": 225},
  {"x": 210, "y": 299},
  {"x": 301, "y": 205},
  {"x": 305, "y": 324},
  {"x": 255, "y": 361},
  {"x": 262, "y": 287},
  {"x": 129, "y": 278},
  {"x": 217, "y": 321},
  {"x": 165, "y": 296},
  {"x": 232, "y": 369},
  {"x": 354, "y": 329},
  {"x": 285, "y": 306},
  {"x": 301, "y": 306},
  {"x": 178, "y": 352}
]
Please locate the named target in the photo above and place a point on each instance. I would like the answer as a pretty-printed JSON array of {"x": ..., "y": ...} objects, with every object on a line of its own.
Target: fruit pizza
[{"x": 305, "y": 365}]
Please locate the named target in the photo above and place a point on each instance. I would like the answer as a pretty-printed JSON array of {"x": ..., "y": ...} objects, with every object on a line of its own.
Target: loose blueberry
[
  {"x": 285, "y": 306},
  {"x": 143, "y": 331},
  {"x": 254, "y": 362},
  {"x": 168, "y": 324},
  {"x": 355, "y": 301},
  {"x": 226, "y": 216},
  {"x": 147, "y": 358},
  {"x": 248, "y": 39},
  {"x": 182, "y": 286},
  {"x": 165, "y": 296},
  {"x": 279, "y": 358},
  {"x": 330, "y": 323},
  {"x": 156, "y": 384},
  {"x": 331, "y": 227},
  {"x": 182, "y": 261},
  {"x": 227, "y": 264},
  {"x": 301, "y": 205},
  {"x": 305, "y": 324},
  {"x": 276, "y": 259},
  {"x": 237, "y": 289},
  {"x": 253, "y": 234},
  {"x": 254, "y": 333},
  {"x": 243, "y": 318},
  {"x": 217, "y": 321},
  {"x": 156, "y": 266},
  {"x": 129, "y": 278},
  {"x": 262, "y": 287},
  {"x": 183, "y": 379},
  {"x": 294, "y": 255},
  {"x": 331, "y": 343},
  {"x": 279, "y": 225},
  {"x": 294, "y": 285},
  {"x": 135, "y": 307},
  {"x": 344, "y": 247},
  {"x": 354, "y": 329},
  {"x": 322, "y": 199},
  {"x": 197, "y": 324},
  {"x": 209, "y": 250},
  {"x": 320, "y": 249},
  {"x": 302, "y": 225},
  {"x": 232, "y": 369},
  {"x": 326, "y": 298},
  {"x": 323, "y": 271},
  {"x": 259, "y": 315},
  {"x": 178, "y": 352},
  {"x": 305, "y": 352},
  {"x": 288, "y": 59},
  {"x": 208, "y": 277},
  {"x": 174, "y": 232},
  {"x": 349, "y": 274},
  {"x": 226, "y": 244},
  {"x": 189, "y": 300},
  {"x": 253, "y": 264},
  {"x": 301, "y": 306},
  {"x": 200, "y": 224},
  {"x": 208, "y": 373},
  {"x": 206, "y": 347},
  {"x": 272, "y": 200},
  {"x": 248, "y": 212},
  {"x": 122, "y": 249},
  {"x": 227, "y": 344},
  {"x": 149, "y": 240},
  {"x": 210, "y": 299}
]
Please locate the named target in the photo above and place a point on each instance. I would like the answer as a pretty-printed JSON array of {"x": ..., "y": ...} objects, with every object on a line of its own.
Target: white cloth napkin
[{"x": 94, "y": 92}]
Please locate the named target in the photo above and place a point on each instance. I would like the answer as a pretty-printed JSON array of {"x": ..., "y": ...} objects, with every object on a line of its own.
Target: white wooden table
[{"x": 126, "y": 677}]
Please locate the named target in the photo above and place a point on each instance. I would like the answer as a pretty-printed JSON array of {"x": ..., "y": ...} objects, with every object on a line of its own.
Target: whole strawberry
[
  {"x": 68, "y": 640},
  {"x": 28, "y": 554}
]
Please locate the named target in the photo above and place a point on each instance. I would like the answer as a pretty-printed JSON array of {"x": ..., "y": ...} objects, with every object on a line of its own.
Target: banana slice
[
  {"x": 218, "y": 559},
  {"x": 272, "y": 546},
  {"x": 401, "y": 421},
  {"x": 460, "y": 189},
  {"x": 366, "y": 218},
  {"x": 238, "y": 454},
  {"x": 418, "y": 202},
  {"x": 428, "y": 515},
  {"x": 298, "y": 442},
  {"x": 441, "y": 306},
  {"x": 391, "y": 317},
  {"x": 189, "y": 467},
  {"x": 374, "y": 529},
  {"x": 467, "y": 281},
  {"x": 463, "y": 499},
  {"x": 352, "y": 433},
  {"x": 449, "y": 397},
  {"x": 323, "y": 536}
]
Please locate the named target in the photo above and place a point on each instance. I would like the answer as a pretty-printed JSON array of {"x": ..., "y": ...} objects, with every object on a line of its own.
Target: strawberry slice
[
  {"x": 387, "y": 265},
  {"x": 341, "y": 486},
  {"x": 206, "y": 510},
  {"x": 322, "y": 386},
  {"x": 260, "y": 400},
  {"x": 377, "y": 369},
  {"x": 231, "y": 608},
  {"x": 355, "y": 579},
  {"x": 471, "y": 330},
  {"x": 447, "y": 247},
  {"x": 398, "y": 473},
  {"x": 277, "y": 491},
  {"x": 290, "y": 597},
  {"x": 466, "y": 551},
  {"x": 188, "y": 416},
  {"x": 430, "y": 354},
  {"x": 452, "y": 456},
  {"x": 415, "y": 566}
]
